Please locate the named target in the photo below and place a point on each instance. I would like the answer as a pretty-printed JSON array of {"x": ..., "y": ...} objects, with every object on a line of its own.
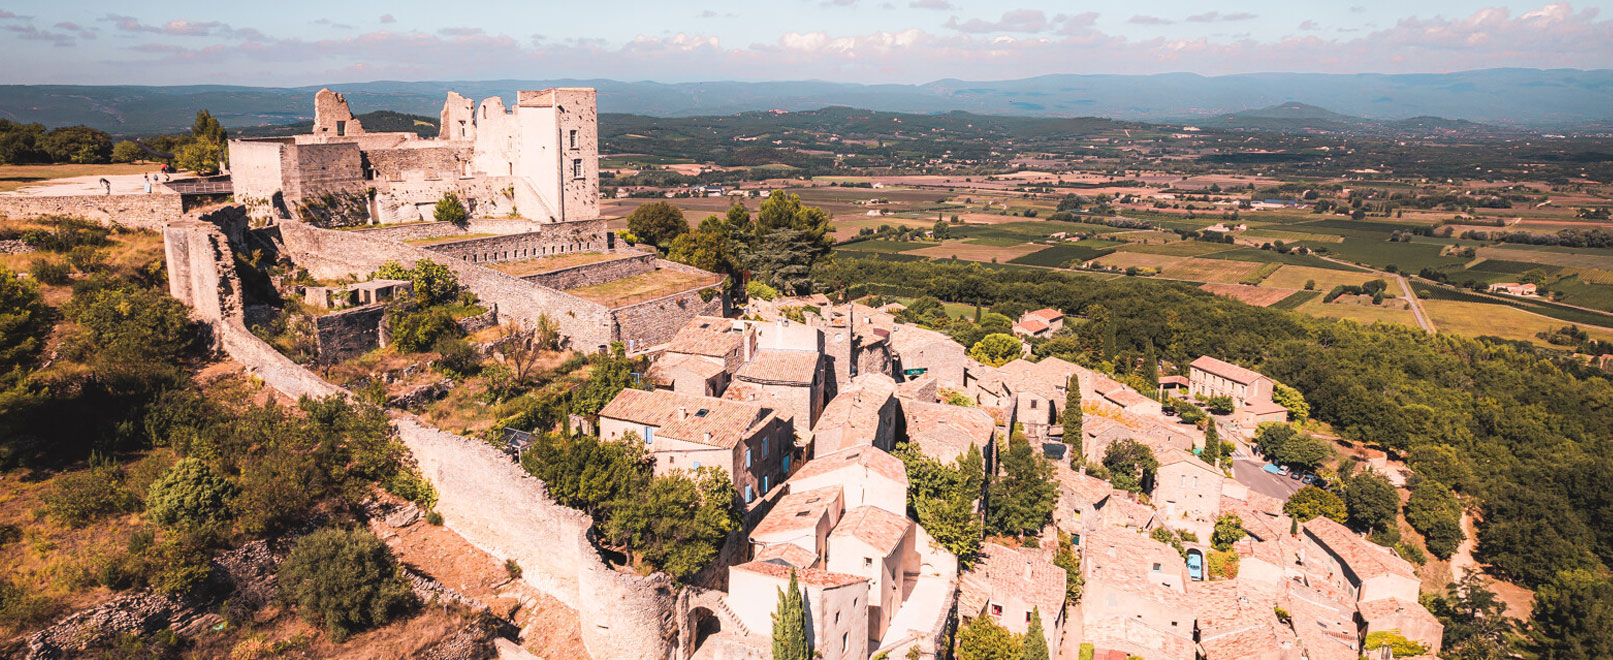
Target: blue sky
[{"x": 297, "y": 42}]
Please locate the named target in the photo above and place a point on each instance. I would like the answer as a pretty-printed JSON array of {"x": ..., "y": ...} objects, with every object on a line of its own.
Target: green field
[
  {"x": 1059, "y": 256},
  {"x": 999, "y": 241},
  {"x": 880, "y": 245},
  {"x": 1181, "y": 248},
  {"x": 1295, "y": 299},
  {"x": 883, "y": 256},
  {"x": 1408, "y": 257}
]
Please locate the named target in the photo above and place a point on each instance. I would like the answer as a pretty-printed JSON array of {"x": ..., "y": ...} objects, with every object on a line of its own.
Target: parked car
[
  {"x": 1284, "y": 470},
  {"x": 1308, "y": 479},
  {"x": 1320, "y": 483},
  {"x": 1295, "y": 475}
]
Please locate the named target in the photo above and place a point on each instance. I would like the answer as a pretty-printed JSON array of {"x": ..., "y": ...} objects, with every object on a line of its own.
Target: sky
[{"x": 300, "y": 42}]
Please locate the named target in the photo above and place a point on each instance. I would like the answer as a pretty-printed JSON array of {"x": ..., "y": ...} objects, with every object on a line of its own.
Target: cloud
[
  {"x": 1215, "y": 16},
  {"x": 180, "y": 28},
  {"x": 940, "y": 5},
  {"x": 387, "y": 19},
  {"x": 1309, "y": 25},
  {"x": 6, "y": 14},
  {"x": 328, "y": 22},
  {"x": 31, "y": 33},
  {"x": 1149, "y": 20},
  {"x": 1017, "y": 20},
  {"x": 462, "y": 32},
  {"x": 837, "y": 3}
]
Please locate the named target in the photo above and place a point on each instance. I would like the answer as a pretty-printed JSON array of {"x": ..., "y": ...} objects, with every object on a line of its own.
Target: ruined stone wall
[
  {"x": 138, "y": 210},
  {"x": 629, "y": 264},
  {"x": 332, "y": 254},
  {"x": 316, "y": 169},
  {"x": 423, "y": 163},
  {"x": 653, "y": 322},
  {"x": 479, "y": 322},
  {"x": 555, "y": 238},
  {"x": 416, "y": 200},
  {"x": 419, "y": 230},
  {"x": 255, "y": 168},
  {"x": 349, "y": 332}
]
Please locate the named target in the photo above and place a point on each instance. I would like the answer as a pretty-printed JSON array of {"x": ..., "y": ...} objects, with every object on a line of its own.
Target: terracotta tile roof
[
  {"x": 854, "y": 412},
  {"x": 781, "y": 366},
  {"x": 1032, "y": 325},
  {"x": 1325, "y": 625},
  {"x": 880, "y": 529},
  {"x": 1001, "y": 571},
  {"x": 1172, "y": 456},
  {"x": 800, "y": 511},
  {"x": 1104, "y": 385},
  {"x": 707, "y": 335},
  {"x": 908, "y": 337},
  {"x": 1046, "y": 314},
  {"x": 814, "y": 577},
  {"x": 1226, "y": 370},
  {"x": 1264, "y": 407},
  {"x": 1233, "y": 621},
  {"x": 1127, "y": 398},
  {"x": 788, "y": 553},
  {"x": 1122, "y": 556},
  {"x": 698, "y": 419},
  {"x": 673, "y": 365},
  {"x": 1390, "y": 608},
  {"x": 1173, "y": 380},
  {"x": 945, "y": 431},
  {"x": 1364, "y": 558},
  {"x": 1122, "y": 512},
  {"x": 859, "y": 459},
  {"x": 1085, "y": 489}
]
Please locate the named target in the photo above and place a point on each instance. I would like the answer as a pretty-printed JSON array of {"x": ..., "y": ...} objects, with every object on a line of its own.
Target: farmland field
[
  {"x": 1296, "y": 299},
  {"x": 1059, "y": 255},
  {"x": 1291, "y": 236},
  {"x": 1224, "y": 271},
  {"x": 1140, "y": 260},
  {"x": 967, "y": 252},
  {"x": 1181, "y": 248},
  {"x": 1476, "y": 319},
  {"x": 1551, "y": 257},
  {"x": 877, "y": 245},
  {"x": 1294, "y": 277},
  {"x": 1366, "y": 314},
  {"x": 1254, "y": 295},
  {"x": 1408, "y": 257}
]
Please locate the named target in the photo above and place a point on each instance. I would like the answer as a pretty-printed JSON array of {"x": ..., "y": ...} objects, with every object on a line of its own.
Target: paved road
[
  {"x": 1416, "y": 305},
  {"x": 1247, "y": 471}
]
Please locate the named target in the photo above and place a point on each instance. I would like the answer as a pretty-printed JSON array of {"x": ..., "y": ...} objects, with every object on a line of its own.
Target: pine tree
[
  {"x": 789, "y": 624},
  {"x": 1035, "y": 642},
  {"x": 1072, "y": 415}
]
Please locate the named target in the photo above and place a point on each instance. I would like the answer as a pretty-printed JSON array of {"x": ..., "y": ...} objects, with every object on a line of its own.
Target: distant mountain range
[{"x": 1529, "y": 98}]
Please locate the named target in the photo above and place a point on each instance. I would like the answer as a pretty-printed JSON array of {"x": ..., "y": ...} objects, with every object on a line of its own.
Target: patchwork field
[
  {"x": 1575, "y": 259},
  {"x": 968, "y": 252},
  {"x": 1180, "y": 248},
  {"x": 1258, "y": 296},
  {"x": 1367, "y": 314},
  {"x": 1478, "y": 319},
  {"x": 1060, "y": 256},
  {"x": 1290, "y": 236},
  {"x": 1291, "y": 276},
  {"x": 1210, "y": 270}
]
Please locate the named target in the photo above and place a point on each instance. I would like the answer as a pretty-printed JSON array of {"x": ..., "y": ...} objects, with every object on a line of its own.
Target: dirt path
[{"x": 1462, "y": 560}]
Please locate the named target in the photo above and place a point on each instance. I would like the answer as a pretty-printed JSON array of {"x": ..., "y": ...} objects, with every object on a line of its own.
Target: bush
[
  {"x": 86, "y": 259},
  {"x": 434, "y": 518},
  {"x": 344, "y": 580},
  {"x": 757, "y": 289},
  {"x": 19, "y": 607},
  {"x": 409, "y": 485},
  {"x": 459, "y": 359},
  {"x": 49, "y": 271},
  {"x": 1223, "y": 565},
  {"x": 190, "y": 493},
  {"x": 450, "y": 209},
  {"x": 414, "y": 332},
  {"x": 79, "y": 498}
]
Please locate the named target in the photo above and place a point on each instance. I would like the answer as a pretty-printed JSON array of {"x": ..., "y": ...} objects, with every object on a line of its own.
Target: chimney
[
  {"x": 708, "y": 437},
  {"x": 683, "y": 412}
]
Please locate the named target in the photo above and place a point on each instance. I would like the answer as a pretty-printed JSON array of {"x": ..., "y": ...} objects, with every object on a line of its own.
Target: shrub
[
  {"x": 434, "y": 518},
  {"x": 190, "y": 492},
  {"x": 417, "y": 331},
  {"x": 181, "y": 561},
  {"x": 1397, "y": 643},
  {"x": 409, "y": 485},
  {"x": 19, "y": 607},
  {"x": 459, "y": 359},
  {"x": 79, "y": 498},
  {"x": 757, "y": 289},
  {"x": 513, "y": 569},
  {"x": 49, "y": 271},
  {"x": 86, "y": 259},
  {"x": 1223, "y": 565},
  {"x": 1410, "y": 552},
  {"x": 450, "y": 209},
  {"x": 344, "y": 580}
]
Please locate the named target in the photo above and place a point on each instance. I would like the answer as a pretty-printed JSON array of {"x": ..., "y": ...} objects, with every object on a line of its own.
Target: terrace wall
[
  {"x": 140, "y": 211},
  {"x": 599, "y": 272},
  {"x": 556, "y": 238},
  {"x": 423, "y": 230}
]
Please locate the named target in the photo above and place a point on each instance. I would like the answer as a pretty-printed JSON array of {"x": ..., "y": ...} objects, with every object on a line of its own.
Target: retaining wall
[
  {"x": 139, "y": 210},
  {"x": 420, "y": 230},
  {"x": 556, "y": 238},
  {"x": 628, "y": 264},
  {"x": 343, "y": 334}
]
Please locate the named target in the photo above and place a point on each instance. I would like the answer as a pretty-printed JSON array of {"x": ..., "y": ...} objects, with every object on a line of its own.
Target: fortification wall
[
  {"x": 416, "y": 199},
  {"x": 316, "y": 169},
  {"x": 139, "y": 210},
  {"x": 556, "y": 238},
  {"x": 333, "y": 254},
  {"x": 343, "y": 334},
  {"x": 653, "y": 322},
  {"x": 440, "y": 162},
  {"x": 629, "y": 264},
  {"x": 419, "y": 230},
  {"x": 255, "y": 168}
]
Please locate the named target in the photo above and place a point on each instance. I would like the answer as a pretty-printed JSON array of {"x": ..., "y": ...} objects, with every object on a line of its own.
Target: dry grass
[
  {"x": 451, "y": 238},
  {"x": 642, "y": 287},
  {"x": 546, "y": 264},
  {"x": 1225, "y": 271},
  {"x": 1295, "y": 277},
  {"x": 1129, "y": 258},
  {"x": 13, "y": 177},
  {"x": 971, "y": 252},
  {"x": 1258, "y": 296},
  {"x": 1475, "y": 319},
  {"x": 1549, "y": 257},
  {"x": 1365, "y": 314}
]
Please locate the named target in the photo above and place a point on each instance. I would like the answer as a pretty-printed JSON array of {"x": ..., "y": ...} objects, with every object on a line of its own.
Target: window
[
  {"x": 576, "y": 167},
  {"x": 1156, "y": 567},
  {"x": 837, "y": 617},
  {"x": 750, "y": 496},
  {"x": 697, "y": 465},
  {"x": 786, "y": 465},
  {"x": 574, "y": 138},
  {"x": 996, "y": 610},
  {"x": 1027, "y": 617},
  {"x": 1033, "y": 404},
  {"x": 747, "y": 458},
  {"x": 764, "y": 447},
  {"x": 843, "y": 638},
  {"x": 765, "y": 482},
  {"x": 868, "y": 562},
  {"x": 649, "y": 434}
]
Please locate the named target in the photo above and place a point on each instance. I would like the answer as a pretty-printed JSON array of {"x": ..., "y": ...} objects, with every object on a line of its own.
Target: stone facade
[{"x": 344, "y": 334}]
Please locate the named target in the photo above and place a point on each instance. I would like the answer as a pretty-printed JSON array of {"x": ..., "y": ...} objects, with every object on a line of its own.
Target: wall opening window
[
  {"x": 750, "y": 494},
  {"x": 573, "y": 138},
  {"x": 576, "y": 167},
  {"x": 341, "y": 128}
]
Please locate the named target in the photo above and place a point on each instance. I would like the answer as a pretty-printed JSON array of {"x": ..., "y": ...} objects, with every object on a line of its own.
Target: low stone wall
[
  {"x": 414, "y": 200},
  {"x": 349, "y": 332},
  {"x": 421, "y": 230},
  {"x": 140, "y": 210},
  {"x": 628, "y": 264},
  {"x": 482, "y": 321},
  {"x": 555, "y": 238}
]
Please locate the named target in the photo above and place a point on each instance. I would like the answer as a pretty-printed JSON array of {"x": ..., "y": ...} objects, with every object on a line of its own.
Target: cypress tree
[
  {"x": 789, "y": 625},
  {"x": 1072, "y": 416},
  {"x": 1035, "y": 643}
]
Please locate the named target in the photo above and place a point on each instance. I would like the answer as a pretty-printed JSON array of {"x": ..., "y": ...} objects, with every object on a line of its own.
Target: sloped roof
[
  {"x": 704, "y": 420},
  {"x": 872, "y": 459},
  {"x": 781, "y": 366},
  {"x": 1032, "y": 325},
  {"x": 707, "y": 335},
  {"x": 1226, "y": 370},
  {"x": 1364, "y": 558},
  {"x": 799, "y": 511},
  {"x": 1001, "y": 571},
  {"x": 1046, "y": 314},
  {"x": 788, "y": 553},
  {"x": 671, "y": 366},
  {"x": 880, "y": 529},
  {"x": 814, "y": 577}
]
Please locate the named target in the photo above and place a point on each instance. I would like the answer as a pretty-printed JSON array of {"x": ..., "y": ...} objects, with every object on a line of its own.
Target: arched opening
[
  {"x": 1195, "y": 564},
  {"x": 704, "y": 623}
]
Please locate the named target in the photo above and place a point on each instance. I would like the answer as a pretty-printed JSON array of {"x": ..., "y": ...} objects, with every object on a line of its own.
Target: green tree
[
  {"x": 200, "y": 156},
  {"x": 344, "y": 580},
  {"x": 1035, "y": 640},
  {"x": 983, "y": 639},
  {"x": 1072, "y": 417},
  {"x": 1290, "y": 398},
  {"x": 942, "y": 498},
  {"x": 419, "y": 330},
  {"x": 1131, "y": 465},
  {"x": 139, "y": 333},
  {"x": 1021, "y": 500},
  {"x": 432, "y": 282},
  {"x": 1476, "y": 625},
  {"x": 205, "y": 127},
  {"x": 1434, "y": 512},
  {"x": 1310, "y": 502},
  {"x": 450, "y": 209},
  {"x": 657, "y": 223},
  {"x": 611, "y": 373},
  {"x": 789, "y": 624},
  {"x": 81, "y": 497},
  {"x": 996, "y": 349},
  {"x": 952, "y": 522},
  {"x": 1371, "y": 502},
  {"x": 706, "y": 248},
  {"x": 1228, "y": 530},
  {"x": 1439, "y": 463},
  {"x": 24, "y": 323},
  {"x": 126, "y": 151},
  {"x": 76, "y": 144},
  {"x": 190, "y": 492},
  {"x": 586, "y": 473},
  {"x": 1064, "y": 557},
  {"x": 678, "y": 522}
]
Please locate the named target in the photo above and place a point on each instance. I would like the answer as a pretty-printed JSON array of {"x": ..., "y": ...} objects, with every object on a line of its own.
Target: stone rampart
[
  {"x": 422, "y": 230},
  {"x": 654, "y": 322},
  {"x": 627, "y": 264},
  {"x": 139, "y": 210},
  {"x": 482, "y": 321},
  {"x": 416, "y": 199},
  {"x": 556, "y": 238},
  {"x": 444, "y": 162},
  {"x": 349, "y": 332},
  {"x": 333, "y": 254}
]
